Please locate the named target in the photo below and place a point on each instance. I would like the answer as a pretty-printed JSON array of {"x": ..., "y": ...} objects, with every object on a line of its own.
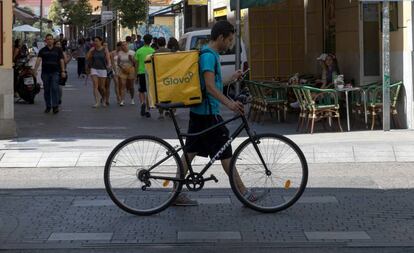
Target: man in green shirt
[{"x": 140, "y": 57}]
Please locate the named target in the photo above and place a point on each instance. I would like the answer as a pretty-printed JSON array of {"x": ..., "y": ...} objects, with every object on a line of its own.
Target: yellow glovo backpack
[{"x": 174, "y": 78}]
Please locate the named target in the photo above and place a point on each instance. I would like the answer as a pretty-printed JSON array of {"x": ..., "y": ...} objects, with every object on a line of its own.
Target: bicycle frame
[{"x": 243, "y": 126}]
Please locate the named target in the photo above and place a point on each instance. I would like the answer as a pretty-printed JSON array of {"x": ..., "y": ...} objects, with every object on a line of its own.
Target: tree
[
  {"x": 79, "y": 13},
  {"x": 56, "y": 12},
  {"x": 131, "y": 12}
]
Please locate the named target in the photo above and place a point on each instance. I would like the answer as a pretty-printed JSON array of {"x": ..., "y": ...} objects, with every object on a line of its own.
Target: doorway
[{"x": 370, "y": 43}]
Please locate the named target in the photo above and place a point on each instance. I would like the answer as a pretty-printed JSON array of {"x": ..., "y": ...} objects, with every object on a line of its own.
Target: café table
[{"x": 346, "y": 90}]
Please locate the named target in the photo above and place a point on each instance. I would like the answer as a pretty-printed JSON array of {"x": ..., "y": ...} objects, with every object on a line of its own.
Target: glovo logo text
[{"x": 178, "y": 80}]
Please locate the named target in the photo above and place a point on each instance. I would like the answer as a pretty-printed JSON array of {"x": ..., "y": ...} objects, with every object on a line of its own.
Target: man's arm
[
  {"x": 38, "y": 60},
  {"x": 209, "y": 78}
]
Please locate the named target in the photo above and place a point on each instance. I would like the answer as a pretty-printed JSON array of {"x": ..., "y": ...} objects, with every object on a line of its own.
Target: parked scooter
[{"x": 25, "y": 83}]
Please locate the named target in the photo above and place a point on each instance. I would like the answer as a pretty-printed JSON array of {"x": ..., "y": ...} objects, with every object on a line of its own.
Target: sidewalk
[
  {"x": 352, "y": 147},
  {"x": 346, "y": 208}
]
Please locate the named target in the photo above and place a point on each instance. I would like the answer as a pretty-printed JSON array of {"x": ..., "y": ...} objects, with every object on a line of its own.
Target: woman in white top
[
  {"x": 114, "y": 60},
  {"x": 127, "y": 75}
]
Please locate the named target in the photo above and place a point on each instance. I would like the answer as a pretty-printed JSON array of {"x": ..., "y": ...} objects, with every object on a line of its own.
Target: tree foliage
[
  {"x": 131, "y": 12},
  {"x": 56, "y": 12},
  {"x": 79, "y": 13}
]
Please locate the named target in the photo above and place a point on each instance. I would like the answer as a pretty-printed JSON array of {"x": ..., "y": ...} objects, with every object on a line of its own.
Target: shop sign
[
  {"x": 220, "y": 12},
  {"x": 197, "y": 2}
]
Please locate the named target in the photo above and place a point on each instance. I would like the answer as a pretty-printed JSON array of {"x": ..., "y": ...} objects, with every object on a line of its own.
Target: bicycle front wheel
[
  {"x": 129, "y": 175},
  {"x": 279, "y": 187}
]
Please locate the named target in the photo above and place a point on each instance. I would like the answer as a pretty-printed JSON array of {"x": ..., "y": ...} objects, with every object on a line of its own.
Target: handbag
[{"x": 62, "y": 81}]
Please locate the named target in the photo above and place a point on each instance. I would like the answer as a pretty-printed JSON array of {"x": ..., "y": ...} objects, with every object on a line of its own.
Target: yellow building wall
[
  {"x": 167, "y": 21},
  {"x": 347, "y": 38},
  {"x": 7, "y": 123},
  {"x": 7, "y": 35},
  {"x": 277, "y": 41}
]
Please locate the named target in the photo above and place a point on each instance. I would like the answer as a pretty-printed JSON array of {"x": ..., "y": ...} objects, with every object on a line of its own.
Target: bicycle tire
[
  {"x": 120, "y": 196},
  {"x": 272, "y": 193}
]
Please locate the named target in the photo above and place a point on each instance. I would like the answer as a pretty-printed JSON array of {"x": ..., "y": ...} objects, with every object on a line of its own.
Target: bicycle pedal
[{"x": 214, "y": 178}]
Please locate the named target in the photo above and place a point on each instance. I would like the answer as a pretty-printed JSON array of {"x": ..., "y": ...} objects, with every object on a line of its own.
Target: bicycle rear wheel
[
  {"x": 129, "y": 182},
  {"x": 274, "y": 191}
]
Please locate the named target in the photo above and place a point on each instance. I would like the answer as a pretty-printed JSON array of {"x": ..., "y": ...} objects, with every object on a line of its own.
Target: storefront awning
[
  {"x": 252, "y": 3},
  {"x": 27, "y": 16}
]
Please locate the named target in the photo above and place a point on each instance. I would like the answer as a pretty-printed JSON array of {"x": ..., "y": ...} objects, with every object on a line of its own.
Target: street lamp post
[
  {"x": 238, "y": 42},
  {"x": 41, "y": 16}
]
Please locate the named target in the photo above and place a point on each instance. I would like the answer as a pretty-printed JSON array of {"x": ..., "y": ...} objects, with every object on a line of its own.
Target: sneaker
[
  {"x": 250, "y": 196},
  {"x": 132, "y": 102},
  {"x": 55, "y": 110},
  {"x": 148, "y": 114},
  {"x": 122, "y": 103},
  {"x": 295, "y": 105},
  {"x": 47, "y": 110},
  {"x": 143, "y": 109},
  {"x": 96, "y": 105},
  {"x": 184, "y": 200}
]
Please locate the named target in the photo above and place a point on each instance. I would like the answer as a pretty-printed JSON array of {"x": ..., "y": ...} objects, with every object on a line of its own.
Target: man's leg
[
  {"x": 55, "y": 91},
  {"x": 226, "y": 166},
  {"x": 183, "y": 199},
  {"x": 191, "y": 157},
  {"x": 46, "y": 91}
]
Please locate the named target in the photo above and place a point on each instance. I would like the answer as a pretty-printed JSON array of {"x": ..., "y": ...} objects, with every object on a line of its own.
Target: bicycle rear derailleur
[{"x": 143, "y": 176}]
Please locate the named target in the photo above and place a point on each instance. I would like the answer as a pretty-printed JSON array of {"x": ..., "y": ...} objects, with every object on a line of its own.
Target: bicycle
[{"x": 144, "y": 174}]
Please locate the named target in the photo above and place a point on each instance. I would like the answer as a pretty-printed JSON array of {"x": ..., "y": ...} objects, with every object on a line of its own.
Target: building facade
[
  {"x": 287, "y": 37},
  {"x": 7, "y": 123}
]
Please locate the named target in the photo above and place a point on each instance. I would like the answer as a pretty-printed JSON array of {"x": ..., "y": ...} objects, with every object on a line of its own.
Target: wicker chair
[{"x": 321, "y": 104}]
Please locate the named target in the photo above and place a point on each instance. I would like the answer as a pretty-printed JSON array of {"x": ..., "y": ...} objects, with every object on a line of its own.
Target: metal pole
[
  {"x": 147, "y": 26},
  {"x": 238, "y": 42},
  {"x": 41, "y": 16},
  {"x": 386, "y": 65}
]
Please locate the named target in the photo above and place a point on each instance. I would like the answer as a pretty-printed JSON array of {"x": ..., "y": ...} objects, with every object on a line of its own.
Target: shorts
[
  {"x": 142, "y": 83},
  {"x": 127, "y": 76},
  {"x": 99, "y": 73},
  {"x": 210, "y": 143}
]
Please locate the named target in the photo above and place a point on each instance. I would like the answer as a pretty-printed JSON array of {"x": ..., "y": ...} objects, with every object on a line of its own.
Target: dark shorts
[
  {"x": 210, "y": 143},
  {"x": 142, "y": 82}
]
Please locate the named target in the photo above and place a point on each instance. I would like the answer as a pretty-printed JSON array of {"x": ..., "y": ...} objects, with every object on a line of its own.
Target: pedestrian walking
[
  {"x": 154, "y": 44},
  {"x": 99, "y": 61},
  {"x": 67, "y": 58},
  {"x": 53, "y": 67},
  {"x": 173, "y": 44},
  {"x": 106, "y": 93},
  {"x": 138, "y": 43},
  {"x": 127, "y": 75},
  {"x": 80, "y": 54},
  {"x": 130, "y": 42},
  {"x": 114, "y": 60},
  {"x": 140, "y": 57}
]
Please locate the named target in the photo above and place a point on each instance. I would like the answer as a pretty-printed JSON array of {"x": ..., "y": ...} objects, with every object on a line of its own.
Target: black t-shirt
[{"x": 51, "y": 59}]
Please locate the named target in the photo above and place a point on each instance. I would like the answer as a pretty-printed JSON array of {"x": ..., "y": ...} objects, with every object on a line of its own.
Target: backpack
[{"x": 174, "y": 78}]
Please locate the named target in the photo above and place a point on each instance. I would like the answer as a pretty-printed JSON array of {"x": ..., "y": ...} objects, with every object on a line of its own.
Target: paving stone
[
  {"x": 213, "y": 201},
  {"x": 316, "y": 199},
  {"x": 80, "y": 236},
  {"x": 89, "y": 203},
  {"x": 205, "y": 236},
  {"x": 337, "y": 235}
]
